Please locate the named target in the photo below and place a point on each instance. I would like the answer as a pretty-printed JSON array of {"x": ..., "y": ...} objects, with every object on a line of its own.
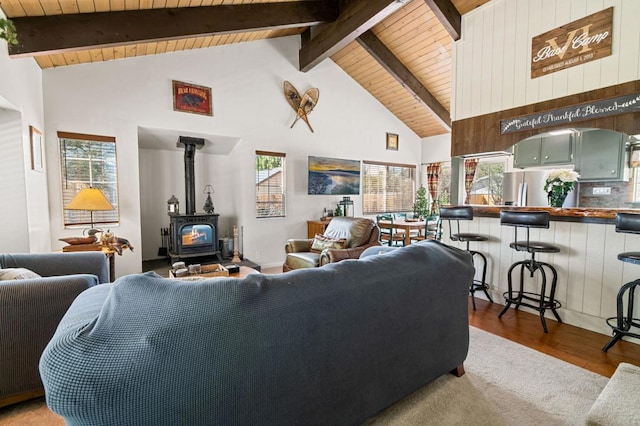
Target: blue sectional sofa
[
  {"x": 327, "y": 346},
  {"x": 30, "y": 310}
]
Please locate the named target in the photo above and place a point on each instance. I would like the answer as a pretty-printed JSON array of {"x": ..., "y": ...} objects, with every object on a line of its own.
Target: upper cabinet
[
  {"x": 541, "y": 151},
  {"x": 601, "y": 156}
]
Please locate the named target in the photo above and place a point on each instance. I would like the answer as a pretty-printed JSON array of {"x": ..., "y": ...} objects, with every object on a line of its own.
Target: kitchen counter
[
  {"x": 577, "y": 214},
  {"x": 589, "y": 274}
]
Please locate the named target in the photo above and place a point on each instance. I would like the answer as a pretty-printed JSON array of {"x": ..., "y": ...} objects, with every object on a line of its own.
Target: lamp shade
[{"x": 91, "y": 199}]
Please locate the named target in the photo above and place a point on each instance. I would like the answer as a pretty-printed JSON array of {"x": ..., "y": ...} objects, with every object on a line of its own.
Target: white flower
[{"x": 564, "y": 175}]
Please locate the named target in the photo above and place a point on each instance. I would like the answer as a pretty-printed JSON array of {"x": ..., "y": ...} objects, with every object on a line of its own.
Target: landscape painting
[{"x": 333, "y": 176}]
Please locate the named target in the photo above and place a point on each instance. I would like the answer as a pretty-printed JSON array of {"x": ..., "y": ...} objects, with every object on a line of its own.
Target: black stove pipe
[{"x": 190, "y": 145}]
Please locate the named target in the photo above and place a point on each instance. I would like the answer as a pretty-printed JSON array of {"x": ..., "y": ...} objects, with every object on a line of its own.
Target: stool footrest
[
  {"x": 479, "y": 285},
  {"x": 547, "y": 303},
  {"x": 626, "y": 326}
]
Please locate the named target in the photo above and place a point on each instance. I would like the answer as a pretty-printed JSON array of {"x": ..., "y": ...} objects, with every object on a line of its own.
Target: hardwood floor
[{"x": 566, "y": 342}]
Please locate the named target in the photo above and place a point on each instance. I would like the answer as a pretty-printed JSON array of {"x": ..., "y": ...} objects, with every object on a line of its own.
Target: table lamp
[{"x": 90, "y": 199}]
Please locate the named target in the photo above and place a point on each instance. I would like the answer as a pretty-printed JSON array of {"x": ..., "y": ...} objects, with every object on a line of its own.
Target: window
[
  {"x": 388, "y": 188},
  {"x": 88, "y": 161},
  {"x": 444, "y": 184},
  {"x": 270, "y": 193},
  {"x": 487, "y": 182}
]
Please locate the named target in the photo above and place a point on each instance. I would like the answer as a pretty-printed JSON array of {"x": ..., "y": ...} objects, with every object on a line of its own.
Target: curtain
[
  {"x": 433, "y": 177},
  {"x": 469, "y": 173}
]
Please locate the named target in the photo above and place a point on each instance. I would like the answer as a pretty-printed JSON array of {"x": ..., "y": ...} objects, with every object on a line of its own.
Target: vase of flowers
[{"x": 558, "y": 184}]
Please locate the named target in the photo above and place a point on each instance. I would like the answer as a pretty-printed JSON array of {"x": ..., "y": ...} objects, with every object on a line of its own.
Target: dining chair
[
  {"x": 388, "y": 234},
  {"x": 432, "y": 231}
]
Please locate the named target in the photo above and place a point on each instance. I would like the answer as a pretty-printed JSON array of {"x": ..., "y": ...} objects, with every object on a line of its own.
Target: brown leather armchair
[{"x": 360, "y": 233}]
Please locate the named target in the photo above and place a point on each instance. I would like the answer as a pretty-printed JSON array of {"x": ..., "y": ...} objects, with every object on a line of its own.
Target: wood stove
[{"x": 192, "y": 234}]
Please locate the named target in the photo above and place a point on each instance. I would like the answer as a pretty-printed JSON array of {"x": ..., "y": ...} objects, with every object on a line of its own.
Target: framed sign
[
  {"x": 392, "y": 141},
  {"x": 36, "y": 149},
  {"x": 575, "y": 43},
  {"x": 575, "y": 113},
  {"x": 191, "y": 98}
]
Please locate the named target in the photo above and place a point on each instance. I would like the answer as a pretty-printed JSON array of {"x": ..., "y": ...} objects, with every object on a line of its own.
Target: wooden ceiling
[{"x": 399, "y": 51}]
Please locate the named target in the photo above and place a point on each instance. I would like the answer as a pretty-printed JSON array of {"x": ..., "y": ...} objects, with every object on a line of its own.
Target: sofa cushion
[
  {"x": 377, "y": 250},
  {"x": 305, "y": 259},
  {"x": 320, "y": 242},
  {"x": 17, "y": 274},
  {"x": 356, "y": 230}
]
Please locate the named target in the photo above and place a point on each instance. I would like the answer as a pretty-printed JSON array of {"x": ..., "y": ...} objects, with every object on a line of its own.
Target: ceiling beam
[
  {"x": 372, "y": 44},
  {"x": 58, "y": 33},
  {"x": 355, "y": 18},
  {"x": 448, "y": 16}
]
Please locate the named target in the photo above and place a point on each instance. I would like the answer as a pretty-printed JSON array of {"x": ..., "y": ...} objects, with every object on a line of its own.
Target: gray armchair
[
  {"x": 30, "y": 310},
  {"x": 358, "y": 232}
]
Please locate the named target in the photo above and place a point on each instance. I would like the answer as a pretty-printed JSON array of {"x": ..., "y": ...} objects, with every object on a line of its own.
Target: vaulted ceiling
[{"x": 398, "y": 50}]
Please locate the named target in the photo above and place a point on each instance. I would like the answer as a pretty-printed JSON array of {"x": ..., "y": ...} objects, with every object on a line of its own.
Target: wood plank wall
[
  {"x": 492, "y": 70},
  {"x": 482, "y": 133},
  {"x": 589, "y": 274}
]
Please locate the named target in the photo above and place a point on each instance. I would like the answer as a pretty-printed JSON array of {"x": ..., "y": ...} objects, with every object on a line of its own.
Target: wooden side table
[
  {"x": 111, "y": 258},
  {"x": 316, "y": 227}
]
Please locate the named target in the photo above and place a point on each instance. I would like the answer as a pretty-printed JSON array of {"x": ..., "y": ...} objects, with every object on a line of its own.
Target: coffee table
[{"x": 243, "y": 271}]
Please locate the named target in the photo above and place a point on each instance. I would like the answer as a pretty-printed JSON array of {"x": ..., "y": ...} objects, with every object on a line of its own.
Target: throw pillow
[
  {"x": 17, "y": 274},
  {"x": 320, "y": 242}
]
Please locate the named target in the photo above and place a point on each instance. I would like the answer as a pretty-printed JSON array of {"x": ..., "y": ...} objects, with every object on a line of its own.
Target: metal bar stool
[
  {"x": 621, "y": 324},
  {"x": 538, "y": 301},
  {"x": 458, "y": 213}
]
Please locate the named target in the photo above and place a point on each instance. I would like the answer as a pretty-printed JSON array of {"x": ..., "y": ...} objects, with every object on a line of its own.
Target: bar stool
[
  {"x": 621, "y": 324},
  {"x": 458, "y": 213},
  {"x": 538, "y": 301}
]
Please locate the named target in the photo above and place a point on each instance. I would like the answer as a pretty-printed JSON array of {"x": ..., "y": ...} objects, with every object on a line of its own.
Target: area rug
[{"x": 505, "y": 384}]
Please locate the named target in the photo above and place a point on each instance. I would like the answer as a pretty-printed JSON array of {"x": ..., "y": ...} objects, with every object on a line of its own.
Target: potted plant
[
  {"x": 8, "y": 31},
  {"x": 421, "y": 206},
  {"x": 558, "y": 184}
]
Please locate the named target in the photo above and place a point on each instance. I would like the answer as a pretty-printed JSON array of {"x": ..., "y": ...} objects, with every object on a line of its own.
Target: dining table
[{"x": 405, "y": 224}]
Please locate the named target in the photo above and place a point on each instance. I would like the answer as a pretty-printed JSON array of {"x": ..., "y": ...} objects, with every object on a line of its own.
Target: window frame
[
  {"x": 282, "y": 186},
  {"x": 109, "y": 187},
  {"x": 493, "y": 159},
  {"x": 405, "y": 204}
]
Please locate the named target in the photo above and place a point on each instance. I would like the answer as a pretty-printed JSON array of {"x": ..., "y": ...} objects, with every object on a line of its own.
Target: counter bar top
[{"x": 585, "y": 215}]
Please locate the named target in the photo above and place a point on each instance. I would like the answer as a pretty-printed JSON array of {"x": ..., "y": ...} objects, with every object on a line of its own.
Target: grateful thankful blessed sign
[
  {"x": 576, "y": 43},
  {"x": 588, "y": 111}
]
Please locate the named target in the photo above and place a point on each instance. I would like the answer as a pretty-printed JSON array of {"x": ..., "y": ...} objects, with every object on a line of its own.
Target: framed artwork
[
  {"x": 191, "y": 98},
  {"x": 36, "y": 149},
  {"x": 392, "y": 141},
  {"x": 333, "y": 176}
]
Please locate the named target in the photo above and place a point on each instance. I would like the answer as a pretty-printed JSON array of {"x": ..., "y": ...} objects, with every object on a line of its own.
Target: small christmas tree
[{"x": 421, "y": 206}]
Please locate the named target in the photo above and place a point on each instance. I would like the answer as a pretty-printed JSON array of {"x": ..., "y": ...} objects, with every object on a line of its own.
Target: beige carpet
[{"x": 505, "y": 384}]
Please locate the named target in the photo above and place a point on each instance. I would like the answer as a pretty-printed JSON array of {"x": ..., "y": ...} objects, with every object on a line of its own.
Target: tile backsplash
[{"x": 621, "y": 195}]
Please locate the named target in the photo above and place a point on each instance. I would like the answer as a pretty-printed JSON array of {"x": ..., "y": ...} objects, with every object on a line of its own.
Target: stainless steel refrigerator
[{"x": 526, "y": 188}]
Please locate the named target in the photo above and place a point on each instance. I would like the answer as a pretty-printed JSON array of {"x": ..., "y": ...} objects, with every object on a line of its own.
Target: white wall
[
  {"x": 25, "y": 212},
  {"x": 492, "y": 59},
  {"x": 436, "y": 148},
  {"x": 114, "y": 98}
]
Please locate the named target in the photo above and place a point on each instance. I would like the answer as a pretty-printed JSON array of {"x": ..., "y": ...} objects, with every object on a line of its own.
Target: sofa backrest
[
  {"x": 58, "y": 264},
  {"x": 331, "y": 345},
  {"x": 357, "y": 230}
]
